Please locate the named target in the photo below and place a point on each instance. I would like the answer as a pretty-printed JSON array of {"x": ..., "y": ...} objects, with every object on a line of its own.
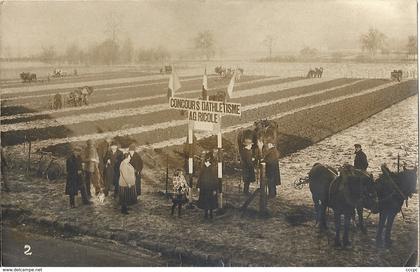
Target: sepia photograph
[{"x": 209, "y": 133}]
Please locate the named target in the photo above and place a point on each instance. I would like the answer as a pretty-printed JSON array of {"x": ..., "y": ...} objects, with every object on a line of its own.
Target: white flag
[
  {"x": 230, "y": 86},
  {"x": 174, "y": 83}
]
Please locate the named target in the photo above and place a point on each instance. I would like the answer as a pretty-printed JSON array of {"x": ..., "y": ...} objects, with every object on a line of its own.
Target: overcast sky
[{"x": 236, "y": 24}]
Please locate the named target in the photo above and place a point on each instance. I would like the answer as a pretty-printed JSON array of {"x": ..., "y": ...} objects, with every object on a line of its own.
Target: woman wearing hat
[
  {"x": 137, "y": 163},
  {"x": 248, "y": 171},
  {"x": 127, "y": 184},
  {"x": 207, "y": 185},
  {"x": 112, "y": 161}
]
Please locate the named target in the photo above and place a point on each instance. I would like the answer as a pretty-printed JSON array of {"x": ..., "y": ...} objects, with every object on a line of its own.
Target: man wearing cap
[
  {"x": 112, "y": 161},
  {"x": 360, "y": 160},
  {"x": 271, "y": 158},
  {"x": 137, "y": 163},
  {"x": 248, "y": 171}
]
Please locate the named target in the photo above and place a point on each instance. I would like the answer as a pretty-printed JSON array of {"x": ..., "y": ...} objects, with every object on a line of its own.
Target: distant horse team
[
  {"x": 75, "y": 98},
  {"x": 315, "y": 73},
  {"x": 28, "y": 77},
  {"x": 224, "y": 72}
]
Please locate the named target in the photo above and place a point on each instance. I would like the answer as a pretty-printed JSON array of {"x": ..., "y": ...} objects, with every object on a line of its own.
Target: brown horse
[
  {"x": 392, "y": 189},
  {"x": 344, "y": 193}
]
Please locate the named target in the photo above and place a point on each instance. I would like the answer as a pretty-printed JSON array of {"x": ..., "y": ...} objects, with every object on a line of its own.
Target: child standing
[{"x": 180, "y": 191}]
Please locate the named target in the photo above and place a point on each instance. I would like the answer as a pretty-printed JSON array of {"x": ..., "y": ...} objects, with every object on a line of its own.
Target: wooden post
[
  {"x": 167, "y": 176},
  {"x": 28, "y": 166},
  {"x": 263, "y": 193},
  {"x": 220, "y": 167}
]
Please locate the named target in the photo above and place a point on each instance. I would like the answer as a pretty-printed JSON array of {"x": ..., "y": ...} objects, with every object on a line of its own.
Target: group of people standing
[
  {"x": 252, "y": 156},
  {"x": 107, "y": 169}
]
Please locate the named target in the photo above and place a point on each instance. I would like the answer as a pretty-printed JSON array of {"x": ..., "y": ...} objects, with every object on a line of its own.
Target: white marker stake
[
  {"x": 190, "y": 141},
  {"x": 220, "y": 167}
]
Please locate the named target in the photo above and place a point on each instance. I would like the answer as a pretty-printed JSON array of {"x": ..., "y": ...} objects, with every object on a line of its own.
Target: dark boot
[
  {"x": 72, "y": 205},
  {"x": 246, "y": 188},
  {"x": 206, "y": 214},
  {"x": 173, "y": 209},
  {"x": 211, "y": 214},
  {"x": 179, "y": 209}
]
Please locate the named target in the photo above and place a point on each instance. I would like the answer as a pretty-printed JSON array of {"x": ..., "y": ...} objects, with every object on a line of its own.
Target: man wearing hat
[
  {"x": 360, "y": 160},
  {"x": 75, "y": 179},
  {"x": 137, "y": 163},
  {"x": 112, "y": 160},
  {"x": 248, "y": 171},
  {"x": 271, "y": 158}
]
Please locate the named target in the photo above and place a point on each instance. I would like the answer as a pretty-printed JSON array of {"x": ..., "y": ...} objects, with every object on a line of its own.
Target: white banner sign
[{"x": 215, "y": 108}]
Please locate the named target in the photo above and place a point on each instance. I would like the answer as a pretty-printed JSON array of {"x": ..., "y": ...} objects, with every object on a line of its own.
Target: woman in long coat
[
  {"x": 208, "y": 185},
  {"x": 112, "y": 161},
  {"x": 127, "y": 184}
]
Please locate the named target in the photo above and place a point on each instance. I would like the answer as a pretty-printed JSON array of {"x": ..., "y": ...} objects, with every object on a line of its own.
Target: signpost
[{"x": 206, "y": 115}]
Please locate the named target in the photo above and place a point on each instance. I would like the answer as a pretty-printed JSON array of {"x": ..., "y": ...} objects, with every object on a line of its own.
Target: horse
[
  {"x": 351, "y": 190},
  {"x": 57, "y": 101},
  {"x": 27, "y": 77},
  {"x": 219, "y": 96},
  {"x": 344, "y": 192},
  {"x": 318, "y": 72},
  {"x": 80, "y": 96},
  {"x": 320, "y": 177},
  {"x": 311, "y": 73},
  {"x": 392, "y": 189}
]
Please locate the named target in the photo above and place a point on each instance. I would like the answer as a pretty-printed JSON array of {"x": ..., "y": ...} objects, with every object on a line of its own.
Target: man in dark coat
[
  {"x": 247, "y": 163},
  {"x": 207, "y": 185},
  {"x": 137, "y": 163},
  {"x": 360, "y": 160},
  {"x": 112, "y": 161},
  {"x": 102, "y": 149},
  {"x": 75, "y": 177},
  {"x": 271, "y": 159}
]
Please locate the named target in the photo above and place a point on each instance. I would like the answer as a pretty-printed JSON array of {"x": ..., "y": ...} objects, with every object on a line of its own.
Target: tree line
[{"x": 108, "y": 52}]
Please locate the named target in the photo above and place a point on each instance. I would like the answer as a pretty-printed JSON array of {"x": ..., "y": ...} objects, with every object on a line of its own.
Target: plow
[{"x": 300, "y": 183}]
